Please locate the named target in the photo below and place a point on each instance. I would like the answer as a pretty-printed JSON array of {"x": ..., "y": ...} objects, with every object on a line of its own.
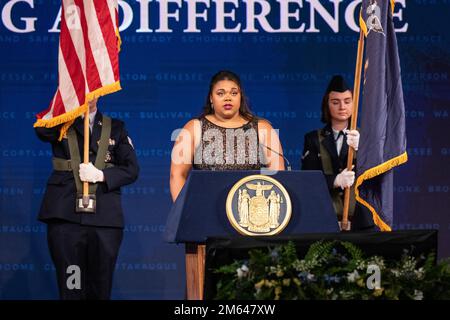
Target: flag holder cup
[
  {"x": 345, "y": 227},
  {"x": 85, "y": 204}
]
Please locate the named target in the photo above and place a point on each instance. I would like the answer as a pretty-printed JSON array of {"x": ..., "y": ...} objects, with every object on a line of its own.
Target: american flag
[{"x": 88, "y": 59}]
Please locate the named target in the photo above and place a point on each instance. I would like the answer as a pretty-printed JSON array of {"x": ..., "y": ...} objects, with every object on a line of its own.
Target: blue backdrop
[{"x": 166, "y": 64}]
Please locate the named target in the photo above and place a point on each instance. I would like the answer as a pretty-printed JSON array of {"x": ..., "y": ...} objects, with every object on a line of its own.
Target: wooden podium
[
  {"x": 200, "y": 212},
  {"x": 195, "y": 270}
]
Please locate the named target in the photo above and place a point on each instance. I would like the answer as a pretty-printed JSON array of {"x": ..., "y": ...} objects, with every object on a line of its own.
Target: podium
[{"x": 199, "y": 212}]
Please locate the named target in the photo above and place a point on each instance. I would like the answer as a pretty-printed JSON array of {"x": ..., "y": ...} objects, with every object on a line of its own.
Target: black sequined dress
[{"x": 223, "y": 148}]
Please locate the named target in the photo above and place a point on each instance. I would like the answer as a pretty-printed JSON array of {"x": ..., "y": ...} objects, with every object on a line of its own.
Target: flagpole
[
  {"x": 86, "y": 157},
  {"x": 356, "y": 90}
]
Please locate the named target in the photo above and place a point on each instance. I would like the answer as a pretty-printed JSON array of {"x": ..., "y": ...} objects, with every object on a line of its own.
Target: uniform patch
[{"x": 108, "y": 156}]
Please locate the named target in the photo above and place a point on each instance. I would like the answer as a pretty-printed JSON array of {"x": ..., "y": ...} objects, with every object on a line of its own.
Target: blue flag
[{"x": 382, "y": 114}]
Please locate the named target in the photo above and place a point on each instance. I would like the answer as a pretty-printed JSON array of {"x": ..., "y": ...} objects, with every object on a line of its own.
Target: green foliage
[
  {"x": 319, "y": 250},
  {"x": 354, "y": 251},
  {"x": 331, "y": 270}
]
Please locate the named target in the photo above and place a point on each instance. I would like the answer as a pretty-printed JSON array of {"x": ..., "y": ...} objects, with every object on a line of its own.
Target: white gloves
[
  {"x": 352, "y": 138},
  {"x": 344, "y": 179},
  {"x": 89, "y": 173}
]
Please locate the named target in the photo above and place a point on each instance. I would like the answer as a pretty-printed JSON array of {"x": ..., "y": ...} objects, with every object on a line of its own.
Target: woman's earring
[{"x": 212, "y": 106}]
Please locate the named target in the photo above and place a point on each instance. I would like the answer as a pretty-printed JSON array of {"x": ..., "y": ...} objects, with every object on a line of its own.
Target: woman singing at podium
[{"x": 226, "y": 136}]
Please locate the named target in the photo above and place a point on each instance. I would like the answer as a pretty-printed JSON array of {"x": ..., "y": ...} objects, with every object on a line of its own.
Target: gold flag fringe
[
  {"x": 69, "y": 117},
  {"x": 371, "y": 173}
]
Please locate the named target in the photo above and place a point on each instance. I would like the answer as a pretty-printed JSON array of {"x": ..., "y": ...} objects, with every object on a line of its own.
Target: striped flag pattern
[{"x": 88, "y": 59}]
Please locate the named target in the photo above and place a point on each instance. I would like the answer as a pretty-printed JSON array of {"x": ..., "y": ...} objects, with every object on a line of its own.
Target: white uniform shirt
[{"x": 339, "y": 141}]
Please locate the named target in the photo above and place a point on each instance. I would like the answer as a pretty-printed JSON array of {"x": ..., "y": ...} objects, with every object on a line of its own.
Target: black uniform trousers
[{"x": 93, "y": 249}]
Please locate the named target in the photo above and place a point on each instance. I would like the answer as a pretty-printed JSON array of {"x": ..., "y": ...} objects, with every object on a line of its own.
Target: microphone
[
  {"x": 285, "y": 159},
  {"x": 248, "y": 126}
]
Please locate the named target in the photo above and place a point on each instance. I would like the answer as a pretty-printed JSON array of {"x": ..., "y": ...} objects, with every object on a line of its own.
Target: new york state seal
[{"x": 258, "y": 205}]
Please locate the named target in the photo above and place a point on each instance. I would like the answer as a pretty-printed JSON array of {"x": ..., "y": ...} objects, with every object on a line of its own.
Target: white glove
[
  {"x": 89, "y": 173},
  {"x": 344, "y": 179},
  {"x": 352, "y": 138}
]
